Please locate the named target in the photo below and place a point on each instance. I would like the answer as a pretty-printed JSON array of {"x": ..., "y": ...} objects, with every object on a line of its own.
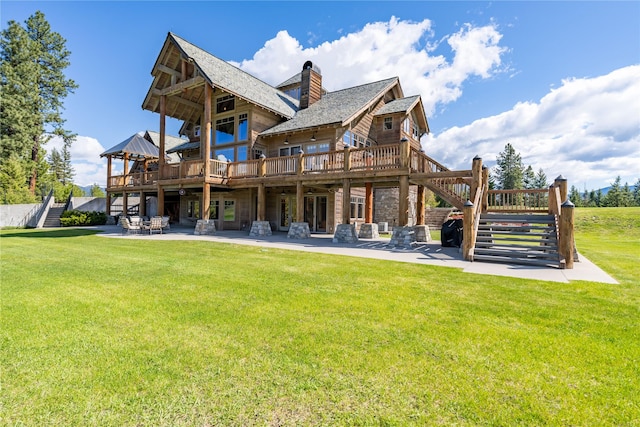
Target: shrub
[{"x": 74, "y": 217}]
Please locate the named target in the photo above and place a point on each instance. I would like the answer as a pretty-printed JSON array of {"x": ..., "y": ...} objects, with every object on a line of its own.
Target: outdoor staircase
[
  {"x": 53, "y": 216},
  {"x": 526, "y": 239}
]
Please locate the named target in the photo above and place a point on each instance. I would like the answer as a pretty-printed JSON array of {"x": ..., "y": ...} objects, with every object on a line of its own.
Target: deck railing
[{"x": 518, "y": 201}]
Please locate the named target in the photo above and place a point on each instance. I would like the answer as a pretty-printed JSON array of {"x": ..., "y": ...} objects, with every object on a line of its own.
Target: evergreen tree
[
  {"x": 636, "y": 192},
  {"x": 12, "y": 183},
  {"x": 96, "y": 191},
  {"x": 33, "y": 59},
  {"x": 541, "y": 180},
  {"x": 614, "y": 197},
  {"x": 56, "y": 166},
  {"x": 599, "y": 198},
  {"x": 509, "y": 169},
  {"x": 529, "y": 178},
  {"x": 574, "y": 196}
]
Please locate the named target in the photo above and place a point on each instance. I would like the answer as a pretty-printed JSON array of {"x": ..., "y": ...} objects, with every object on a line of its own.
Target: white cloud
[
  {"x": 588, "y": 130},
  {"x": 89, "y": 167},
  {"x": 387, "y": 49}
]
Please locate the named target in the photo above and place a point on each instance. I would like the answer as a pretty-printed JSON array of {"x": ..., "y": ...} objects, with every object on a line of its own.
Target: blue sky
[{"x": 558, "y": 80}]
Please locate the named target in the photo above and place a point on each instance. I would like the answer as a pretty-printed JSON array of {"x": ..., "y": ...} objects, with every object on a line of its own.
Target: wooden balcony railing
[{"x": 518, "y": 201}]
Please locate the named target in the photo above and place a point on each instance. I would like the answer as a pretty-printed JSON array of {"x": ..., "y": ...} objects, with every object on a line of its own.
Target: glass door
[
  {"x": 287, "y": 212},
  {"x": 315, "y": 213}
]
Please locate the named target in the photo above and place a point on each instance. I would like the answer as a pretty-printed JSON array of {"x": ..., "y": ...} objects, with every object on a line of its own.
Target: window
[
  {"x": 388, "y": 123},
  {"x": 346, "y": 138},
  {"x": 290, "y": 151},
  {"x": 293, "y": 92},
  {"x": 357, "y": 207},
  {"x": 416, "y": 131},
  {"x": 224, "y": 155},
  {"x": 229, "y": 210},
  {"x": 243, "y": 127},
  {"x": 406, "y": 125},
  {"x": 214, "y": 209},
  {"x": 193, "y": 209},
  {"x": 225, "y": 130},
  {"x": 242, "y": 153},
  {"x": 225, "y": 103}
]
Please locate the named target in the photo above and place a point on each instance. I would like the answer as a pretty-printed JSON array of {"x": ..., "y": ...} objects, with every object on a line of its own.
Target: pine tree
[
  {"x": 509, "y": 169},
  {"x": 575, "y": 196},
  {"x": 614, "y": 196},
  {"x": 96, "y": 191},
  {"x": 33, "y": 60},
  {"x": 636, "y": 192},
  {"x": 541, "y": 180},
  {"x": 529, "y": 178},
  {"x": 12, "y": 183}
]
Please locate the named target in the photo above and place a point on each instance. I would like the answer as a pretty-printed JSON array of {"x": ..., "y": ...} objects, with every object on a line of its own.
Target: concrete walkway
[{"x": 431, "y": 253}]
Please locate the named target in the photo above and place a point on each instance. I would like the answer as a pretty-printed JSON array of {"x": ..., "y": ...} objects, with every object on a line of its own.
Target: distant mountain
[{"x": 87, "y": 190}]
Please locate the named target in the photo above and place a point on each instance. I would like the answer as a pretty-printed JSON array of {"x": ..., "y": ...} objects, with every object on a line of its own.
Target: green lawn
[{"x": 122, "y": 332}]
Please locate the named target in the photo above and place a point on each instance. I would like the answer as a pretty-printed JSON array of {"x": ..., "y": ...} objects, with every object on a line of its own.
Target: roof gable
[{"x": 339, "y": 107}]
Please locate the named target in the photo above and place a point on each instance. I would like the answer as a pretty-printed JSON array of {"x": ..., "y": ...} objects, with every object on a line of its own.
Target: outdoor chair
[
  {"x": 165, "y": 223},
  {"x": 135, "y": 220},
  {"x": 129, "y": 227},
  {"x": 155, "y": 225}
]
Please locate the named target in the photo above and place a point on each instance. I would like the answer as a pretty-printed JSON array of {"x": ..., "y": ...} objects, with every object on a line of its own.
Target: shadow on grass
[{"x": 47, "y": 234}]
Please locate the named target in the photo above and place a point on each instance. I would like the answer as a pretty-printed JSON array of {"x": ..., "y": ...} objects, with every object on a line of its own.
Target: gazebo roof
[{"x": 137, "y": 148}]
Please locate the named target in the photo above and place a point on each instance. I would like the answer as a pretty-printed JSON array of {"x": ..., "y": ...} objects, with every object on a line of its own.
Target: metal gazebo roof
[{"x": 136, "y": 147}]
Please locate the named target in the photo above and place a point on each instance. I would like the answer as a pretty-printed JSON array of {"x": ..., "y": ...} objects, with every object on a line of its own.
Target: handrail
[
  {"x": 44, "y": 210},
  {"x": 477, "y": 211},
  {"x": 518, "y": 200}
]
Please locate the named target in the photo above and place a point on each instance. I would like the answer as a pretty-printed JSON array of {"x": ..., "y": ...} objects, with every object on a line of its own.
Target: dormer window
[
  {"x": 388, "y": 123},
  {"x": 225, "y": 104}
]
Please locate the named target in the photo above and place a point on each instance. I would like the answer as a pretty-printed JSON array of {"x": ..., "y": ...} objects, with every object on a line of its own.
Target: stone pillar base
[
  {"x": 260, "y": 229},
  {"x": 205, "y": 227},
  {"x": 299, "y": 230},
  {"x": 422, "y": 233},
  {"x": 403, "y": 236},
  {"x": 345, "y": 233},
  {"x": 368, "y": 231}
]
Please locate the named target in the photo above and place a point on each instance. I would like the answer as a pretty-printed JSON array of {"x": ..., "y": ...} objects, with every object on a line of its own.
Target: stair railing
[{"x": 44, "y": 210}]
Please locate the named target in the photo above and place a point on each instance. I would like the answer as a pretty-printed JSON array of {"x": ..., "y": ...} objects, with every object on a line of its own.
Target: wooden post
[
  {"x": 126, "y": 167},
  {"x": 467, "y": 230},
  {"x": 485, "y": 184},
  {"x": 300, "y": 162},
  {"x": 262, "y": 165},
  {"x": 142, "y": 207},
  {"x": 420, "y": 206},
  {"x": 125, "y": 203},
  {"x": 262, "y": 202},
  {"x": 299, "y": 202},
  {"x": 561, "y": 182},
  {"x": 405, "y": 153},
  {"x": 161, "y": 154},
  {"x": 160, "y": 201},
  {"x": 205, "y": 142},
  {"x": 368, "y": 203},
  {"x": 109, "y": 167},
  {"x": 565, "y": 245},
  {"x": 476, "y": 171},
  {"x": 346, "y": 201},
  {"x": 206, "y": 200},
  {"x": 347, "y": 159},
  {"x": 552, "y": 200},
  {"x": 108, "y": 210},
  {"x": 403, "y": 202}
]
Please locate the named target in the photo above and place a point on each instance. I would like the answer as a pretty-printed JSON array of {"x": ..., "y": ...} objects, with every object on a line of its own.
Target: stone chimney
[{"x": 311, "y": 85}]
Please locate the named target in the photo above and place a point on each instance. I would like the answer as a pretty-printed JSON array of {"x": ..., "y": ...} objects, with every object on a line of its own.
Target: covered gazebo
[{"x": 140, "y": 176}]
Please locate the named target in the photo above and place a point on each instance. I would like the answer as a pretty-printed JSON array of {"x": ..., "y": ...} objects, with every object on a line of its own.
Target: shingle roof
[
  {"x": 334, "y": 107},
  {"x": 233, "y": 80},
  {"x": 169, "y": 140},
  {"x": 401, "y": 105},
  {"x": 296, "y": 78}
]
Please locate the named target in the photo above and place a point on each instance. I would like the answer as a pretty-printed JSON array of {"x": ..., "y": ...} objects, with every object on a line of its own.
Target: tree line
[
  {"x": 33, "y": 86},
  {"x": 510, "y": 173}
]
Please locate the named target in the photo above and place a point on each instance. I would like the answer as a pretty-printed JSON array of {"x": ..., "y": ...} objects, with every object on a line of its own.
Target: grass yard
[{"x": 125, "y": 332}]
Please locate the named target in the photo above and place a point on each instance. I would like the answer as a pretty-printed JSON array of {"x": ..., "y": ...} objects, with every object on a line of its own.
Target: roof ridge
[{"x": 364, "y": 84}]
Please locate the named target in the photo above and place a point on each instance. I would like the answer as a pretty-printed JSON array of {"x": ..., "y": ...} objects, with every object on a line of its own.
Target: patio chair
[
  {"x": 129, "y": 227},
  {"x": 155, "y": 225},
  {"x": 165, "y": 223},
  {"x": 135, "y": 220}
]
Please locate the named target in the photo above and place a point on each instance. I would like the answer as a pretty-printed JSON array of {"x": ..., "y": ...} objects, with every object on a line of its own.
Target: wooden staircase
[
  {"x": 53, "y": 216},
  {"x": 526, "y": 239}
]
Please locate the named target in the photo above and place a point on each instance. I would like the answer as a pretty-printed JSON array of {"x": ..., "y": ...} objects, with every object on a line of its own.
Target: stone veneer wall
[{"x": 385, "y": 205}]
